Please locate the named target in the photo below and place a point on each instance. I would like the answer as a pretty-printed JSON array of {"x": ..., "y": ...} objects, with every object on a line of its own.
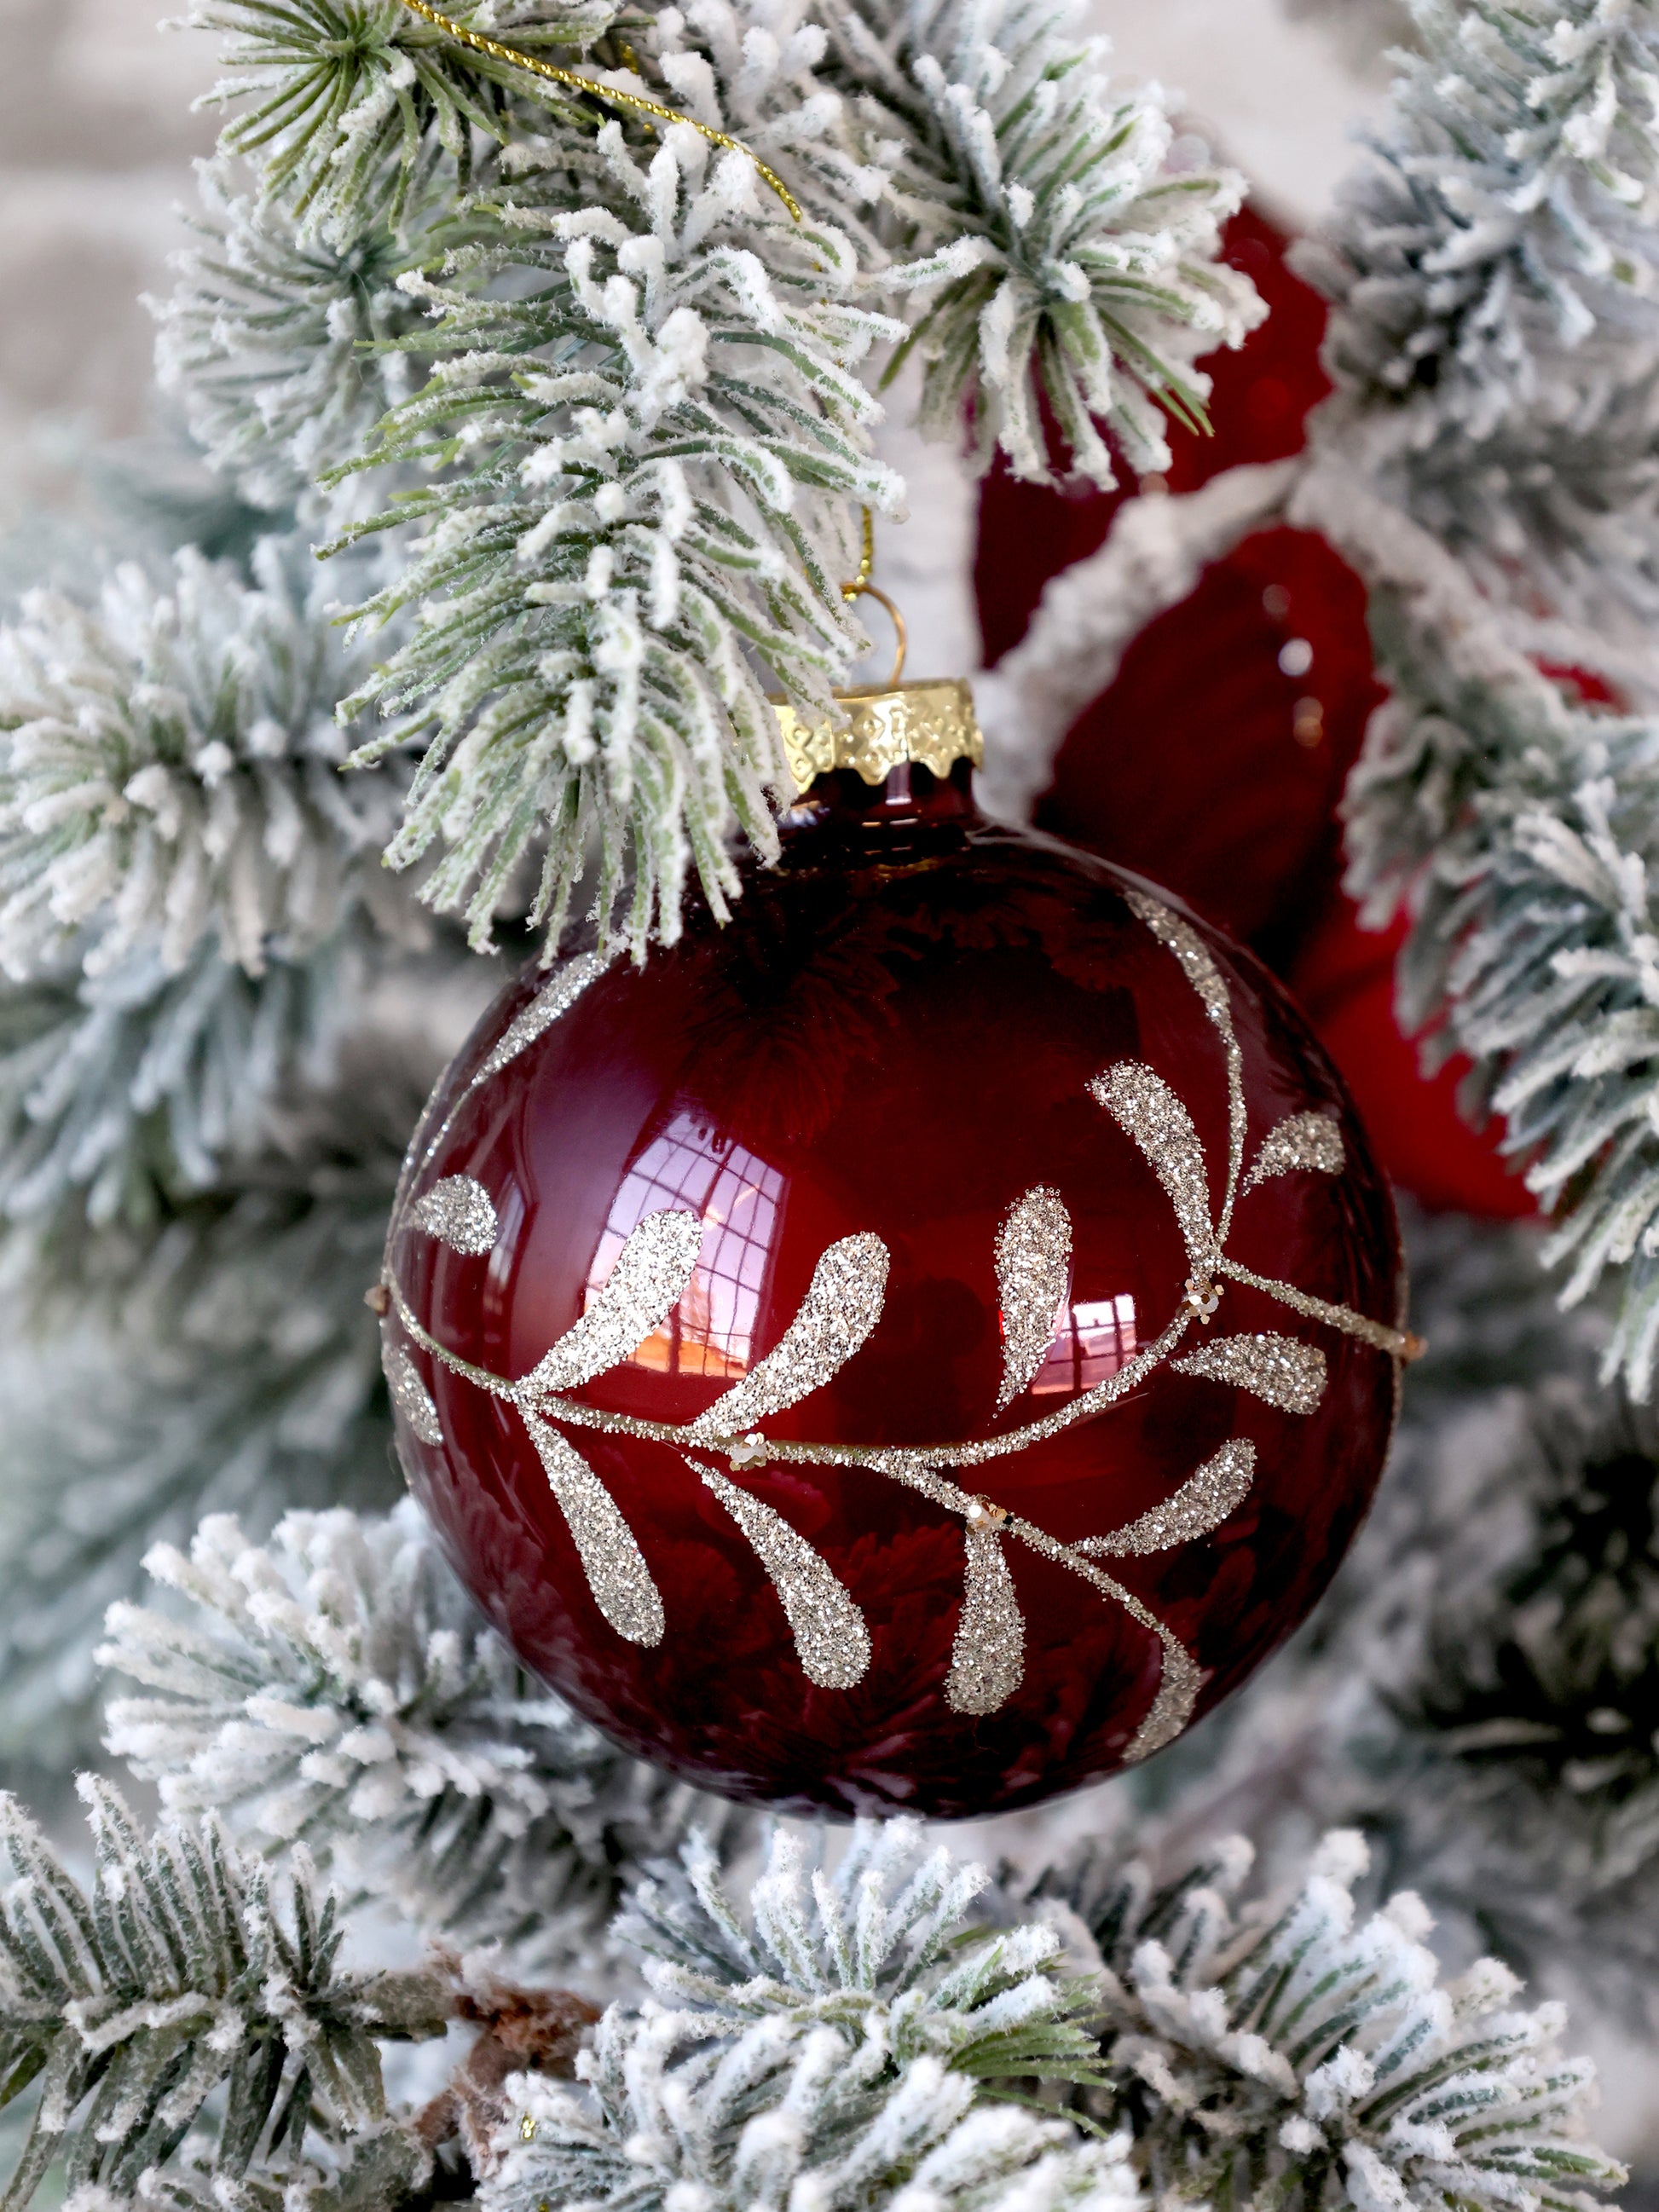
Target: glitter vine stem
[
  {"x": 479, "y": 44},
  {"x": 905, "y": 1463},
  {"x": 1179, "y": 1679},
  {"x": 1399, "y": 1343}
]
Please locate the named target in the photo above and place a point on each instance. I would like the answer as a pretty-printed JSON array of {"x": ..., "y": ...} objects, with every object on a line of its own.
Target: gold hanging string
[
  {"x": 480, "y": 45},
  {"x": 861, "y": 587},
  {"x": 867, "y": 562}
]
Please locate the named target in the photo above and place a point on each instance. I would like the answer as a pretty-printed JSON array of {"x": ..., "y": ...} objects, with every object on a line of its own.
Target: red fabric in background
[
  {"x": 1344, "y": 978},
  {"x": 1215, "y": 761},
  {"x": 1189, "y": 769}
]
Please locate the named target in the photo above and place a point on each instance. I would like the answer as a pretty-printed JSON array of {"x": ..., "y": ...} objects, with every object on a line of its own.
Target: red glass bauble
[
  {"x": 1256, "y": 689},
  {"x": 918, "y": 1346},
  {"x": 1232, "y": 805}
]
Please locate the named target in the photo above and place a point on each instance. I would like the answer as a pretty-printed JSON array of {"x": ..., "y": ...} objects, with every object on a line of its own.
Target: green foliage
[
  {"x": 1508, "y": 219},
  {"x": 1054, "y": 254},
  {"x": 125, "y": 1097},
  {"x": 1286, "y": 2050},
  {"x": 837, "y": 2044},
  {"x": 1519, "y": 827},
  {"x": 351, "y": 101},
  {"x": 169, "y": 773},
  {"x": 1495, "y": 269},
  {"x": 666, "y": 464},
  {"x": 182, "y": 1976},
  {"x": 646, "y": 429},
  {"x": 269, "y": 340},
  {"x": 337, "y": 1689},
  {"x": 881, "y": 1939},
  {"x": 1553, "y": 1691}
]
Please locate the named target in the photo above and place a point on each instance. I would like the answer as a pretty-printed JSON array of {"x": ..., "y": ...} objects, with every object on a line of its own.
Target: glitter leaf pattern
[
  {"x": 408, "y": 1394},
  {"x": 1278, "y": 1369},
  {"x": 611, "y": 1558},
  {"x": 1172, "y": 1708},
  {"x": 1034, "y": 1270},
  {"x": 642, "y": 1289},
  {"x": 1196, "y": 960},
  {"x": 1198, "y": 965},
  {"x": 555, "y": 998},
  {"x": 1203, "y": 1501},
  {"x": 830, "y": 1633},
  {"x": 1145, "y": 1108},
  {"x": 988, "y": 1660},
  {"x": 1311, "y": 1143},
  {"x": 842, "y": 1304},
  {"x": 458, "y": 1212}
]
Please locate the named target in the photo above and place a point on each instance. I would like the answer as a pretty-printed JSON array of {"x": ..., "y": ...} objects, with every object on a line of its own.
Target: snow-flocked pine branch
[
  {"x": 183, "y": 1989},
  {"x": 169, "y": 772},
  {"x": 1032, "y": 216},
  {"x": 337, "y": 1690},
  {"x": 851, "y": 2036},
  {"x": 648, "y": 418},
  {"x": 828, "y": 2039},
  {"x": 280, "y": 347},
  {"x": 203, "y": 1091},
  {"x": 1290, "y": 2046},
  {"x": 1486, "y": 461}
]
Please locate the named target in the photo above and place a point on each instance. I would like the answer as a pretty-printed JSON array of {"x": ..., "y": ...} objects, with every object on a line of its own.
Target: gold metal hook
[
  {"x": 481, "y": 45},
  {"x": 861, "y": 587},
  {"x": 902, "y": 636}
]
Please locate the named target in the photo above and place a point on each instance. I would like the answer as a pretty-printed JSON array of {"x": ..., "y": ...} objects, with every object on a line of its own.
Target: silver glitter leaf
[
  {"x": 1278, "y": 1369},
  {"x": 1033, "y": 1262},
  {"x": 458, "y": 1212},
  {"x": 1144, "y": 1106},
  {"x": 829, "y": 1631},
  {"x": 1190, "y": 950},
  {"x": 843, "y": 1304},
  {"x": 1172, "y": 1708},
  {"x": 555, "y": 999},
  {"x": 642, "y": 1289},
  {"x": 987, "y": 1659},
  {"x": 611, "y": 1559},
  {"x": 1307, "y": 1142},
  {"x": 1202, "y": 1503},
  {"x": 1198, "y": 966},
  {"x": 1398, "y": 1343},
  {"x": 408, "y": 1394}
]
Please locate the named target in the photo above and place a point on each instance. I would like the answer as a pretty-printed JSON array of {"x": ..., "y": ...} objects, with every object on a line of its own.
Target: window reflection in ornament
[
  {"x": 1091, "y": 1342},
  {"x": 711, "y": 1330}
]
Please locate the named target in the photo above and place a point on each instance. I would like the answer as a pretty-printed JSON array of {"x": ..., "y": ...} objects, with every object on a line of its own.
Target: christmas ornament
[
  {"x": 1263, "y": 678},
  {"x": 920, "y": 1345}
]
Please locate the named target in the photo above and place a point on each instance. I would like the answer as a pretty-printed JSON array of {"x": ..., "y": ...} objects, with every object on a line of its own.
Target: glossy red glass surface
[{"x": 896, "y": 1035}]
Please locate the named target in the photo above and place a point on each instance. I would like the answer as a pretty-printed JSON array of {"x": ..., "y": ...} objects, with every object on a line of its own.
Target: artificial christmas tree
[{"x": 613, "y": 501}]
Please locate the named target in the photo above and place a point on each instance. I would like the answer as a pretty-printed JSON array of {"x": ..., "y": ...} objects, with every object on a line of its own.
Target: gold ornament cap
[{"x": 886, "y": 726}]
